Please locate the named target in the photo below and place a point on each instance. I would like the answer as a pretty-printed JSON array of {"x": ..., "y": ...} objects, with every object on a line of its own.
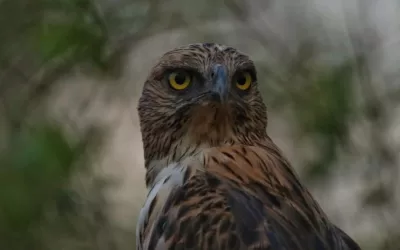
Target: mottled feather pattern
[
  {"x": 233, "y": 204},
  {"x": 216, "y": 180}
]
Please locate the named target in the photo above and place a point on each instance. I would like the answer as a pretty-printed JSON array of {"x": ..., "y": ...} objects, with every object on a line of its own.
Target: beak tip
[
  {"x": 216, "y": 97},
  {"x": 220, "y": 83}
]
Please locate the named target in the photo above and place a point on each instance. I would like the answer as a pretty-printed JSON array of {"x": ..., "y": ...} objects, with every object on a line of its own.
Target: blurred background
[{"x": 71, "y": 72}]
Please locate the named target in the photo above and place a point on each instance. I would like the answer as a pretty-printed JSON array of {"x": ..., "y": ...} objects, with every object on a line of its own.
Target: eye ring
[
  {"x": 243, "y": 81},
  {"x": 179, "y": 80}
]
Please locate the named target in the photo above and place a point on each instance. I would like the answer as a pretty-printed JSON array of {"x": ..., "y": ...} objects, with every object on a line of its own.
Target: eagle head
[{"x": 200, "y": 95}]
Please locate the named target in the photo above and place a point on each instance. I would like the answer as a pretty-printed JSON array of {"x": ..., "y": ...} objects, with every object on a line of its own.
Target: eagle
[{"x": 215, "y": 178}]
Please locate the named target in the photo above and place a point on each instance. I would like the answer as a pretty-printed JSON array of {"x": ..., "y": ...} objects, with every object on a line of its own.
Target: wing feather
[{"x": 244, "y": 198}]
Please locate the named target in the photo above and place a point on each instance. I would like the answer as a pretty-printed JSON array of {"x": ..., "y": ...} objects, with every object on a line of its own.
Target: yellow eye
[
  {"x": 244, "y": 80},
  {"x": 179, "y": 80}
]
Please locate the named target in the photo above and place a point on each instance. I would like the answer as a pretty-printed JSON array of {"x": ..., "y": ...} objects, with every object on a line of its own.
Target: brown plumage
[{"x": 216, "y": 180}]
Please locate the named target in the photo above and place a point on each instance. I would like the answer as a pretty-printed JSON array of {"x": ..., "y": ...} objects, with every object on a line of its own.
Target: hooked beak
[{"x": 220, "y": 85}]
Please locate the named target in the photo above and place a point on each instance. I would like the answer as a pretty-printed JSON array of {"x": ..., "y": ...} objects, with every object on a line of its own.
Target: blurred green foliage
[
  {"x": 324, "y": 108},
  {"x": 74, "y": 31},
  {"x": 35, "y": 167},
  {"x": 38, "y": 158}
]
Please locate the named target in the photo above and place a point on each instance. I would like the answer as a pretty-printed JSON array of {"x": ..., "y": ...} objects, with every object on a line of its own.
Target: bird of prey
[{"x": 215, "y": 178}]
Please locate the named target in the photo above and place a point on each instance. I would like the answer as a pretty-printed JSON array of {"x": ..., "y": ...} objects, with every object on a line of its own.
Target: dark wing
[
  {"x": 282, "y": 227},
  {"x": 347, "y": 241},
  {"x": 233, "y": 204}
]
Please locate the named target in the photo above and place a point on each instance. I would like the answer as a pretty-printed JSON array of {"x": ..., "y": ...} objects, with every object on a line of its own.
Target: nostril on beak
[{"x": 217, "y": 69}]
